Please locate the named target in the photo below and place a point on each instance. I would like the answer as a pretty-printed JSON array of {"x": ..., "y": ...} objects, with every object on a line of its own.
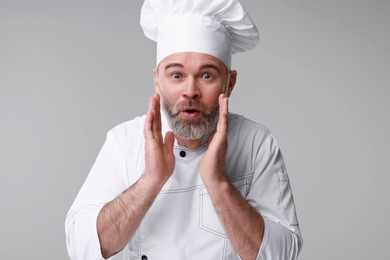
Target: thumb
[{"x": 211, "y": 138}]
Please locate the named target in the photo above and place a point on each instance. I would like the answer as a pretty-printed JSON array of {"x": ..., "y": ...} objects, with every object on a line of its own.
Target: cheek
[
  {"x": 169, "y": 93},
  {"x": 212, "y": 95},
  {"x": 210, "y": 100}
]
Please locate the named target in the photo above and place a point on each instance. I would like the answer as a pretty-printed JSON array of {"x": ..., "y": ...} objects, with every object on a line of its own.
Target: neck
[{"x": 190, "y": 144}]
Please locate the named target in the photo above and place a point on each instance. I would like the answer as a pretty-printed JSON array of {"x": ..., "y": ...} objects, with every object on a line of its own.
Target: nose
[{"x": 191, "y": 89}]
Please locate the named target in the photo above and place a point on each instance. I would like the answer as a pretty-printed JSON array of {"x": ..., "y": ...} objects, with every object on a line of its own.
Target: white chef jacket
[{"x": 182, "y": 223}]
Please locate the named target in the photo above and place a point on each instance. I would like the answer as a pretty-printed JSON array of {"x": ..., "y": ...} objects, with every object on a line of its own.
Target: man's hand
[
  {"x": 245, "y": 236},
  {"x": 120, "y": 218},
  {"x": 212, "y": 165},
  {"x": 159, "y": 157}
]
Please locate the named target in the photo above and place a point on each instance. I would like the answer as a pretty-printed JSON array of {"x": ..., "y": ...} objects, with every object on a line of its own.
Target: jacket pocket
[
  {"x": 208, "y": 219},
  {"x": 286, "y": 198}
]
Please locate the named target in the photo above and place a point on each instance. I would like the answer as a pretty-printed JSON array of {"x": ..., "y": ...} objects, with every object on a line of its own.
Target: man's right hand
[
  {"x": 120, "y": 218},
  {"x": 159, "y": 157}
]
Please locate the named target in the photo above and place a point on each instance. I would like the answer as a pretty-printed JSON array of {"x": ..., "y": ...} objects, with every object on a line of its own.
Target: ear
[
  {"x": 155, "y": 80},
  {"x": 232, "y": 81}
]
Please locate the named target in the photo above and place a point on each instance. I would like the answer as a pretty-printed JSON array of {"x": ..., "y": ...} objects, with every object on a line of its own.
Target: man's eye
[
  {"x": 176, "y": 75},
  {"x": 207, "y": 76}
]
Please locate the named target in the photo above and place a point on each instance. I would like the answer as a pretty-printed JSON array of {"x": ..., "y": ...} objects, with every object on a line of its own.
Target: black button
[
  {"x": 144, "y": 257},
  {"x": 182, "y": 153}
]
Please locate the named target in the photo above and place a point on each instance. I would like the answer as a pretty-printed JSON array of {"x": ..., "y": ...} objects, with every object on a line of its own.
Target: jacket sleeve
[
  {"x": 104, "y": 182},
  {"x": 270, "y": 194}
]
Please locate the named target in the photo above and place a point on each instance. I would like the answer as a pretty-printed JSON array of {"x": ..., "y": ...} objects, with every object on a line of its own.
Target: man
[{"x": 189, "y": 180}]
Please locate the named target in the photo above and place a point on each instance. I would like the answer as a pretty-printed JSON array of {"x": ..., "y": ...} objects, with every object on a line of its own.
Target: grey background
[{"x": 319, "y": 79}]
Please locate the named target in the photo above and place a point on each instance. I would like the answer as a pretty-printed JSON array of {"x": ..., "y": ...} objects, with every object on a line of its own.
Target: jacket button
[
  {"x": 144, "y": 257},
  {"x": 182, "y": 153}
]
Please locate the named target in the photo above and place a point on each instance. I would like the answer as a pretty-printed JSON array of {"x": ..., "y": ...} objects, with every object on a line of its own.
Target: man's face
[{"x": 189, "y": 85}]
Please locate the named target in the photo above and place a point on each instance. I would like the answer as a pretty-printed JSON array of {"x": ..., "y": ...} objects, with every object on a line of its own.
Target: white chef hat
[{"x": 216, "y": 27}]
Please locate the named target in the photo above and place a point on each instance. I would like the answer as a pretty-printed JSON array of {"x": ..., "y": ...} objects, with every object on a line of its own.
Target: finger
[
  {"x": 169, "y": 140},
  {"x": 148, "y": 127},
  {"x": 158, "y": 113},
  {"x": 223, "y": 114},
  {"x": 155, "y": 107}
]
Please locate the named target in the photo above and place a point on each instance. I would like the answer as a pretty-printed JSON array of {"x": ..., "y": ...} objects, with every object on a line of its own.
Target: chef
[{"x": 188, "y": 180}]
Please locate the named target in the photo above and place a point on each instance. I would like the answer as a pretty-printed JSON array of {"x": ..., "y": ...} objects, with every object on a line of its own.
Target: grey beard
[{"x": 190, "y": 129}]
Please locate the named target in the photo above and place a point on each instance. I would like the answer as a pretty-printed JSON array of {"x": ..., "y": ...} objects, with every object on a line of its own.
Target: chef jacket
[{"x": 182, "y": 222}]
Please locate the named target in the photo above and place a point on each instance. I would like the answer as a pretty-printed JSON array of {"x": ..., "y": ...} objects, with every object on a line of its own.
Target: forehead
[{"x": 192, "y": 60}]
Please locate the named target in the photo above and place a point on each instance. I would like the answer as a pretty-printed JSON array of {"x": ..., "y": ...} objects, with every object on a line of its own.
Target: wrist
[
  {"x": 151, "y": 182},
  {"x": 218, "y": 184}
]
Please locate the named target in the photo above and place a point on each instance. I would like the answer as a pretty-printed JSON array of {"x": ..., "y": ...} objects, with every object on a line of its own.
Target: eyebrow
[
  {"x": 172, "y": 65},
  {"x": 210, "y": 66},
  {"x": 204, "y": 66}
]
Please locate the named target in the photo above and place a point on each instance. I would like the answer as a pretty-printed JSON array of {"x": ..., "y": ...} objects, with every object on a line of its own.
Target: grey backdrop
[{"x": 319, "y": 79}]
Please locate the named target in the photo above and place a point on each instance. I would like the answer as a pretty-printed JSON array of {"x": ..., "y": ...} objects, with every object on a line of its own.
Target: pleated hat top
[{"x": 215, "y": 27}]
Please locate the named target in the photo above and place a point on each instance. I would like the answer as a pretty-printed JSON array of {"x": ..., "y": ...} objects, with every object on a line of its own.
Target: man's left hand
[{"x": 212, "y": 165}]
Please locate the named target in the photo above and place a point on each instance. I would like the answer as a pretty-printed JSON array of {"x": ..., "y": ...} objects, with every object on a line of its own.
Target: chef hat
[{"x": 215, "y": 27}]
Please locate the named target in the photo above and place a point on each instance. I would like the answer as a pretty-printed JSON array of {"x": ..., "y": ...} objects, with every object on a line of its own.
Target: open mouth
[
  {"x": 190, "y": 113},
  {"x": 190, "y": 110}
]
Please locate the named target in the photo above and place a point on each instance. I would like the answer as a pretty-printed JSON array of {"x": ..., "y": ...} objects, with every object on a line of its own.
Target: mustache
[{"x": 190, "y": 104}]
